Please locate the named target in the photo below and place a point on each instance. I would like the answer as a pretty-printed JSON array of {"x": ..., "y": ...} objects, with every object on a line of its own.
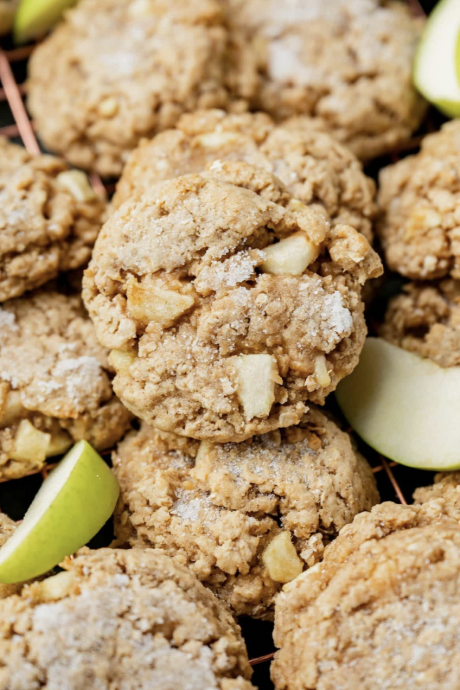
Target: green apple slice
[
  {"x": 71, "y": 506},
  {"x": 404, "y": 406},
  {"x": 35, "y": 17},
  {"x": 436, "y": 66}
]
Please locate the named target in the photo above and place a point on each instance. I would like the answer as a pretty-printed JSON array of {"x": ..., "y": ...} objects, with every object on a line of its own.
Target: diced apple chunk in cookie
[
  {"x": 290, "y": 256},
  {"x": 30, "y": 444},
  {"x": 12, "y": 409},
  {"x": 281, "y": 559},
  {"x": 257, "y": 375},
  {"x": 121, "y": 361},
  {"x": 59, "y": 444},
  {"x": 148, "y": 303},
  {"x": 77, "y": 184}
]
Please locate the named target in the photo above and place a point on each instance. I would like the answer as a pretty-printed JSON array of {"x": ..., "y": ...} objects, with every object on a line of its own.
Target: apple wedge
[
  {"x": 437, "y": 61},
  {"x": 35, "y": 17},
  {"x": 406, "y": 407},
  {"x": 71, "y": 506}
]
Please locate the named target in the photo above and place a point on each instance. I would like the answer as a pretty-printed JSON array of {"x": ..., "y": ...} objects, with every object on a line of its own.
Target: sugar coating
[
  {"x": 132, "y": 620},
  {"x": 43, "y": 228},
  {"x": 50, "y": 357},
  {"x": 346, "y": 63},
  {"x": 128, "y": 70},
  {"x": 218, "y": 511},
  {"x": 176, "y": 236},
  {"x": 311, "y": 163},
  {"x": 425, "y": 319},
  {"x": 381, "y": 610},
  {"x": 419, "y": 203}
]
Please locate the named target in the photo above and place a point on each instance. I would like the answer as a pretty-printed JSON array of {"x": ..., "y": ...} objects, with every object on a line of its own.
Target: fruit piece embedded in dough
[
  {"x": 12, "y": 410},
  {"x": 30, "y": 444},
  {"x": 121, "y": 361},
  {"x": 290, "y": 256},
  {"x": 281, "y": 559},
  {"x": 256, "y": 375},
  {"x": 158, "y": 304},
  {"x": 77, "y": 184}
]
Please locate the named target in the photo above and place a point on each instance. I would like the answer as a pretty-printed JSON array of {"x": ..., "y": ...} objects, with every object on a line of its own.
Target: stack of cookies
[{"x": 221, "y": 303}]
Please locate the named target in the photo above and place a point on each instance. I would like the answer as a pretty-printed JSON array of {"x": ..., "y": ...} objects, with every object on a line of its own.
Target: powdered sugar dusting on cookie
[
  {"x": 80, "y": 374},
  {"x": 339, "y": 317}
]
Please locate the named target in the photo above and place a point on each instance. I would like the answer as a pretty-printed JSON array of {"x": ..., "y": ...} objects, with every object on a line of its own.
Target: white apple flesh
[
  {"x": 404, "y": 406},
  {"x": 72, "y": 505},
  {"x": 436, "y": 65}
]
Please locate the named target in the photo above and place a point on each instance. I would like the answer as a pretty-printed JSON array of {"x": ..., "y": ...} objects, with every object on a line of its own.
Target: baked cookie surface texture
[
  {"x": 348, "y": 63},
  {"x": 382, "y": 609},
  {"x": 128, "y": 69},
  {"x": 55, "y": 386},
  {"x": 49, "y": 219},
  {"x": 120, "y": 619},
  {"x": 425, "y": 319},
  {"x": 419, "y": 204},
  {"x": 228, "y": 303},
  {"x": 311, "y": 163},
  {"x": 244, "y": 517}
]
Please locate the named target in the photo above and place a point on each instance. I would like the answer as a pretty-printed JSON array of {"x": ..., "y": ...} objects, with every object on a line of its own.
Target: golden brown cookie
[
  {"x": 425, "y": 319},
  {"x": 120, "y": 619},
  {"x": 312, "y": 164},
  {"x": 419, "y": 203},
  {"x": 127, "y": 70},
  {"x": 347, "y": 63},
  {"x": 228, "y": 303},
  {"x": 55, "y": 383},
  {"x": 445, "y": 490},
  {"x": 49, "y": 219},
  {"x": 244, "y": 517},
  {"x": 381, "y": 611}
]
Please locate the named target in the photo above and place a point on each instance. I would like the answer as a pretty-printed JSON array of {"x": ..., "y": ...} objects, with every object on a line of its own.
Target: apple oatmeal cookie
[
  {"x": 382, "y": 609},
  {"x": 49, "y": 219},
  {"x": 348, "y": 63},
  {"x": 419, "y": 224},
  {"x": 55, "y": 386},
  {"x": 244, "y": 517},
  {"x": 227, "y": 303},
  {"x": 425, "y": 319},
  {"x": 127, "y": 70},
  {"x": 313, "y": 166},
  {"x": 124, "y": 619},
  {"x": 445, "y": 490}
]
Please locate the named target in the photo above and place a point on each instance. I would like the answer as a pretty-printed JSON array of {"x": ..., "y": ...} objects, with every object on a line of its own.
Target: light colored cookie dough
[
  {"x": 127, "y": 70},
  {"x": 425, "y": 319},
  {"x": 381, "y": 611},
  {"x": 49, "y": 219},
  {"x": 55, "y": 386},
  {"x": 219, "y": 332},
  {"x": 420, "y": 211},
  {"x": 347, "y": 63},
  {"x": 244, "y": 517},
  {"x": 445, "y": 490},
  {"x": 120, "y": 619},
  {"x": 313, "y": 166}
]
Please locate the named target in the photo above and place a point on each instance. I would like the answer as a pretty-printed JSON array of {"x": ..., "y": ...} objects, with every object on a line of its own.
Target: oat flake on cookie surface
[
  {"x": 244, "y": 517},
  {"x": 124, "y": 620},
  {"x": 219, "y": 331},
  {"x": 128, "y": 69},
  {"x": 310, "y": 162},
  {"x": 348, "y": 63},
  {"x": 382, "y": 609},
  {"x": 49, "y": 219},
  {"x": 55, "y": 386}
]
